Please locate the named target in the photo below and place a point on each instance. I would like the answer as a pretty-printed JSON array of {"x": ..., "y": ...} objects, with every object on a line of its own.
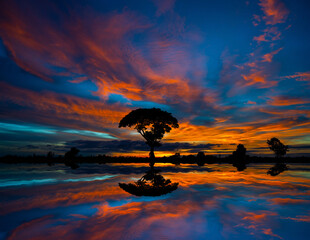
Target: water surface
[{"x": 212, "y": 202}]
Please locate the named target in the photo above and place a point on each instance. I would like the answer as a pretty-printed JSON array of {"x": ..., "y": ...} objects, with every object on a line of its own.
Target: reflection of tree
[
  {"x": 277, "y": 169},
  {"x": 240, "y": 166},
  {"x": 150, "y": 184}
]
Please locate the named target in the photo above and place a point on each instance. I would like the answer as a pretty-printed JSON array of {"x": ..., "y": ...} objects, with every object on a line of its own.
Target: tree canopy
[
  {"x": 240, "y": 151},
  {"x": 279, "y": 148},
  {"x": 151, "y": 123},
  {"x": 72, "y": 153}
]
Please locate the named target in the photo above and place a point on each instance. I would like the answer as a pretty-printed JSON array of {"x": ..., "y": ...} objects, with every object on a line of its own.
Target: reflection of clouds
[
  {"x": 221, "y": 203},
  {"x": 256, "y": 222},
  {"x": 53, "y": 196}
]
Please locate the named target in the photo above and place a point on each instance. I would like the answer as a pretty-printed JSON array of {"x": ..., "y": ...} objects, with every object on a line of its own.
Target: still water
[{"x": 211, "y": 202}]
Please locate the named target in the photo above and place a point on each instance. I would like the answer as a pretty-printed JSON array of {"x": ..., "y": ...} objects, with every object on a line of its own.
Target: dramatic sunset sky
[{"x": 230, "y": 71}]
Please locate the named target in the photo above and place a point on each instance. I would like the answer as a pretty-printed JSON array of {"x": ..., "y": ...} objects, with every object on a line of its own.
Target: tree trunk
[{"x": 152, "y": 157}]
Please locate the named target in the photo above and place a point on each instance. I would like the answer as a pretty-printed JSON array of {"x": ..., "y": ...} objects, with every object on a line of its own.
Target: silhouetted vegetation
[
  {"x": 50, "y": 156},
  {"x": 280, "y": 151},
  {"x": 174, "y": 159},
  {"x": 70, "y": 157},
  {"x": 201, "y": 158},
  {"x": 150, "y": 184},
  {"x": 279, "y": 148},
  {"x": 277, "y": 169},
  {"x": 239, "y": 158},
  {"x": 152, "y": 124}
]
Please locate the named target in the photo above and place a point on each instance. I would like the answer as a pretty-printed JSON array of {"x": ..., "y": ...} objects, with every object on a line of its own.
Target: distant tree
[
  {"x": 201, "y": 158},
  {"x": 279, "y": 148},
  {"x": 70, "y": 156},
  {"x": 240, "y": 152},
  {"x": 50, "y": 155},
  {"x": 239, "y": 157},
  {"x": 152, "y": 124},
  {"x": 176, "y": 158},
  {"x": 72, "y": 153}
]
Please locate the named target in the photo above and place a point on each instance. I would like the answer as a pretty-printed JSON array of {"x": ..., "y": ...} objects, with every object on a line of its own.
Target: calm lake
[{"x": 211, "y": 202}]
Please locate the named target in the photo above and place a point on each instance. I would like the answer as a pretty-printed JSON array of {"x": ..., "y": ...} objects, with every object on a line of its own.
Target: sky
[{"x": 231, "y": 72}]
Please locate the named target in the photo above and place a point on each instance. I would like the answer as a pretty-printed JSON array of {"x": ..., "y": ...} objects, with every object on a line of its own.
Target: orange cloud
[
  {"x": 270, "y": 34},
  {"x": 258, "y": 217},
  {"x": 261, "y": 38},
  {"x": 106, "y": 53},
  {"x": 288, "y": 112},
  {"x": 269, "y": 232},
  {"x": 300, "y": 218},
  {"x": 300, "y": 76},
  {"x": 67, "y": 110},
  {"x": 286, "y": 201},
  {"x": 274, "y": 10},
  {"x": 268, "y": 56},
  {"x": 258, "y": 77},
  {"x": 287, "y": 101}
]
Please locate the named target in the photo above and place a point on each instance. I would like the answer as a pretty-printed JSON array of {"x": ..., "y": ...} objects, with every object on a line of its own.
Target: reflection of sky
[{"x": 214, "y": 202}]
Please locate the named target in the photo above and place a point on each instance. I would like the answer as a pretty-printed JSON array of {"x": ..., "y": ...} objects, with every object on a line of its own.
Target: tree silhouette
[
  {"x": 152, "y": 124},
  {"x": 239, "y": 157},
  {"x": 69, "y": 158},
  {"x": 50, "y": 155},
  {"x": 72, "y": 153},
  {"x": 279, "y": 148},
  {"x": 201, "y": 158},
  {"x": 240, "y": 152}
]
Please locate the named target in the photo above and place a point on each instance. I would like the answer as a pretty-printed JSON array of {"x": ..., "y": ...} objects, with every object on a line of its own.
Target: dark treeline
[{"x": 199, "y": 159}]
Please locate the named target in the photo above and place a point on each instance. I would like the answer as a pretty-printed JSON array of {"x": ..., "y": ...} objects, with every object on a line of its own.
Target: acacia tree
[
  {"x": 279, "y": 148},
  {"x": 152, "y": 124}
]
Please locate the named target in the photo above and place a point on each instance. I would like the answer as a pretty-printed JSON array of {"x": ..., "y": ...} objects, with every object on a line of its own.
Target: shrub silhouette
[
  {"x": 279, "y": 148},
  {"x": 152, "y": 124}
]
